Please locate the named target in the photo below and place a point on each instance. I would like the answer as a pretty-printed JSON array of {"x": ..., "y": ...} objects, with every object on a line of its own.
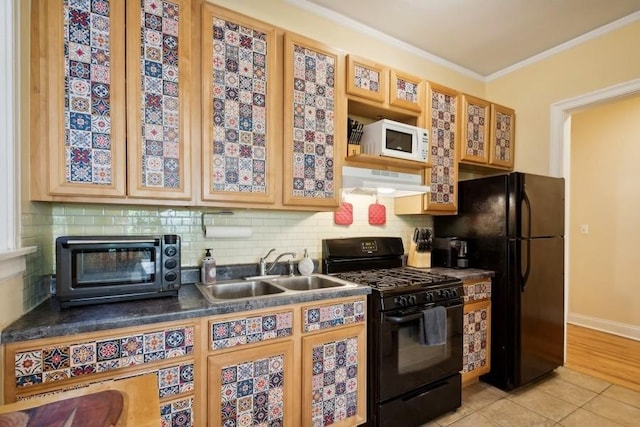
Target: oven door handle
[
  {"x": 419, "y": 314},
  {"x": 404, "y": 319},
  {"x": 101, "y": 242}
]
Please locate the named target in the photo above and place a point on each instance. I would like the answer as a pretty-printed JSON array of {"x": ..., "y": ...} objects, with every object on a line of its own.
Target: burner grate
[{"x": 388, "y": 278}]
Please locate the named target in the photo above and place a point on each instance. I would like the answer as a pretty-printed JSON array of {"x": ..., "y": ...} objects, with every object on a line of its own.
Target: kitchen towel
[{"x": 433, "y": 326}]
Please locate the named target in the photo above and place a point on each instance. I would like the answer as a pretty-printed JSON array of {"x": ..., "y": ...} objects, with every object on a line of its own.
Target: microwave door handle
[{"x": 93, "y": 242}]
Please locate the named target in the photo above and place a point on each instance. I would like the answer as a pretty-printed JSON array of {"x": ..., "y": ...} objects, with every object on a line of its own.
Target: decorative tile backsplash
[{"x": 283, "y": 230}]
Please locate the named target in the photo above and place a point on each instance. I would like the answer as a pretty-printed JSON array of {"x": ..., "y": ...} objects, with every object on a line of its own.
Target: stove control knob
[
  {"x": 412, "y": 299},
  {"x": 428, "y": 297},
  {"x": 446, "y": 293},
  {"x": 400, "y": 301},
  {"x": 454, "y": 293}
]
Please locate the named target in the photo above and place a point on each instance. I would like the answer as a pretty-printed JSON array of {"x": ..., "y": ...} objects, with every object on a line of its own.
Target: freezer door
[
  {"x": 536, "y": 206},
  {"x": 541, "y": 308}
]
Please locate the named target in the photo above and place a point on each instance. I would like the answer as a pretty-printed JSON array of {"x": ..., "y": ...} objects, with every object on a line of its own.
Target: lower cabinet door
[
  {"x": 253, "y": 386},
  {"x": 476, "y": 350},
  {"x": 334, "y": 377}
]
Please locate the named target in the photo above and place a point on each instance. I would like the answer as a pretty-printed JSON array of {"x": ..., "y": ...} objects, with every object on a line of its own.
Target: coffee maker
[{"x": 450, "y": 252}]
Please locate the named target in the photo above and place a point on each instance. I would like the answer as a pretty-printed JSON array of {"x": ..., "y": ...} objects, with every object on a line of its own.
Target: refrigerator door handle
[{"x": 525, "y": 276}]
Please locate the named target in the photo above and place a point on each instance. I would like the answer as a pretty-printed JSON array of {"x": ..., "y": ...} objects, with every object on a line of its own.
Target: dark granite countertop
[
  {"x": 463, "y": 273},
  {"x": 49, "y": 320}
]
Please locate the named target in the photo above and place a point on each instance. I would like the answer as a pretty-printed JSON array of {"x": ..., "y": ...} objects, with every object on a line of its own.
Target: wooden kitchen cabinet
[
  {"x": 241, "y": 150},
  {"x": 253, "y": 386},
  {"x": 302, "y": 364},
  {"x": 113, "y": 127},
  {"x": 502, "y": 137},
  {"x": 170, "y": 351},
  {"x": 315, "y": 123},
  {"x": 366, "y": 79},
  {"x": 443, "y": 118},
  {"x": 376, "y": 90},
  {"x": 476, "y": 353},
  {"x": 334, "y": 364},
  {"x": 252, "y": 368},
  {"x": 488, "y": 135},
  {"x": 475, "y": 130}
]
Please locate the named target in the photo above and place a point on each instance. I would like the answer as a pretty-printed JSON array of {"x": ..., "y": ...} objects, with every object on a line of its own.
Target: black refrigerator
[{"x": 514, "y": 225}]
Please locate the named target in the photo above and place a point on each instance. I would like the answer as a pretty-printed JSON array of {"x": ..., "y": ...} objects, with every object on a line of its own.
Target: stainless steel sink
[
  {"x": 308, "y": 283},
  {"x": 246, "y": 289},
  {"x": 236, "y": 290}
]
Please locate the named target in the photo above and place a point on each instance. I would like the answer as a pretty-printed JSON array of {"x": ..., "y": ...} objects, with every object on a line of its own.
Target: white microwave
[{"x": 395, "y": 139}]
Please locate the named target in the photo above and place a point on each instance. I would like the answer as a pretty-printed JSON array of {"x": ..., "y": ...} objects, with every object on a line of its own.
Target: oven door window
[
  {"x": 406, "y": 363},
  {"x": 122, "y": 266}
]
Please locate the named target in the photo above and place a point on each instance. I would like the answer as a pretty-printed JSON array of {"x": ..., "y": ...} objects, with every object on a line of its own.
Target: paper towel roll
[{"x": 226, "y": 232}]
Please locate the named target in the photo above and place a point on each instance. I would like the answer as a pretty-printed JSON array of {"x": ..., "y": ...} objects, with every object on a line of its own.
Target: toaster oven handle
[{"x": 100, "y": 242}]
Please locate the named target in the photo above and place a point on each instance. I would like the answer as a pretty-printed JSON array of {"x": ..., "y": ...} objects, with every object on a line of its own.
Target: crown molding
[
  {"x": 372, "y": 32},
  {"x": 598, "y": 32}
]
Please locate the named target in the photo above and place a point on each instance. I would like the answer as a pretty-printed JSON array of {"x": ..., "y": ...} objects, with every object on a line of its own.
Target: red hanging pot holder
[
  {"x": 377, "y": 214},
  {"x": 344, "y": 214}
]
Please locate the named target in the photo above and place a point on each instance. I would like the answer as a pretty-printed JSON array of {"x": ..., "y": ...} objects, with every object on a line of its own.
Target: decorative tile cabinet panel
[
  {"x": 51, "y": 366},
  {"x": 85, "y": 96},
  {"x": 177, "y": 413},
  {"x": 406, "y": 91},
  {"x": 240, "y": 108},
  {"x": 476, "y": 351},
  {"x": 158, "y": 92},
  {"x": 502, "y": 136},
  {"x": 334, "y": 384},
  {"x": 443, "y": 120},
  {"x": 226, "y": 333},
  {"x": 475, "y": 130},
  {"x": 367, "y": 79},
  {"x": 314, "y": 123},
  {"x": 315, "y": 318},
  {"x": 252, "y": 387},
  {"x": 100, "y": 131}
]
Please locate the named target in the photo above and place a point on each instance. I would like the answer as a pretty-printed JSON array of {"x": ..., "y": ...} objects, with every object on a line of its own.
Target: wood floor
[{"x": 602, "y": 355}]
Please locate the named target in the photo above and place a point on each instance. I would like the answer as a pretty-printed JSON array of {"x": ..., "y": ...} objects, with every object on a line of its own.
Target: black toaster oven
[{"x": 98, "y": 269}]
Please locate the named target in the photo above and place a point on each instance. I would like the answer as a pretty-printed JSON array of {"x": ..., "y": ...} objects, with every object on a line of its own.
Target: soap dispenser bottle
[
  {"x": 208, "y": 270},
  {"x": 305, "y": 266}
]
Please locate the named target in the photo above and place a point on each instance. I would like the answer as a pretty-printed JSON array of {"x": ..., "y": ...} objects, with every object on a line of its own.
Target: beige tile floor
[{"x": 564, "y": 398}]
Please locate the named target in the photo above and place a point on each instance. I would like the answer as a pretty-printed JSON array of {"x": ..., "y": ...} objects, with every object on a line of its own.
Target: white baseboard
[{"x": 608, "y": 326}]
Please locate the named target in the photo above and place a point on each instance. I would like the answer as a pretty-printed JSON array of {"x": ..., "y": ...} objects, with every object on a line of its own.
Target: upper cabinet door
[
  {"x": 240, "y": 117},
  {"x": 502, "y": 139},
  {"x": 443, "y": 119},
  {"x": 406, "y": 91},
  {"x": 475, "y": 130},
  {"x": 158, "y": 93},
  {"x": 314, "y": 123},
  {"x": 86, "y": 98},
  {"x": 366, "y": 79}
]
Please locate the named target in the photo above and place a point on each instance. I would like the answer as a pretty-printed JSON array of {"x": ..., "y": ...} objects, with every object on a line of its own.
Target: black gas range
[{"x": 411, "y": 380}]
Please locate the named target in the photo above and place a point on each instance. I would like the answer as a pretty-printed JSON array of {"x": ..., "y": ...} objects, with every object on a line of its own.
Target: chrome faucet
[{"x": 263, "y": 262}]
